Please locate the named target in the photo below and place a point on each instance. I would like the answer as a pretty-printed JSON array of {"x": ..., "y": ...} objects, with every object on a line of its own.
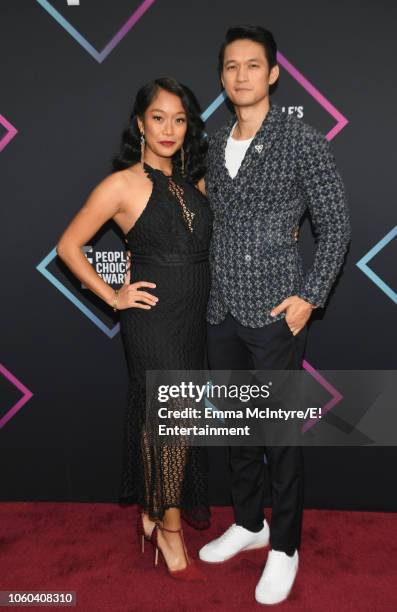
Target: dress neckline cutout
[{"x": 150, "y": 168}]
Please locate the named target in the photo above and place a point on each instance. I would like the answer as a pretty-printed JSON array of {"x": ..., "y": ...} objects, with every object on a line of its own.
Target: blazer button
[{"x": 247, "y": 258}]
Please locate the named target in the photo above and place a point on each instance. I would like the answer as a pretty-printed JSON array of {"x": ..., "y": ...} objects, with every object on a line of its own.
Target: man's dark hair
[{"x": 255, "y": 33}]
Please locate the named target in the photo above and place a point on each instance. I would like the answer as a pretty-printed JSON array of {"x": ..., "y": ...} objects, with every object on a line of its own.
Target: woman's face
[{"x": 164, "y": 124}]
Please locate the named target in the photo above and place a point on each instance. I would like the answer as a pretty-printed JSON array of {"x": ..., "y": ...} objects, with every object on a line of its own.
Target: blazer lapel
[
  {"x": 261, "y": 143},
  {"x": 221, "y": 146},
  {"x": 227, "y": 202}
]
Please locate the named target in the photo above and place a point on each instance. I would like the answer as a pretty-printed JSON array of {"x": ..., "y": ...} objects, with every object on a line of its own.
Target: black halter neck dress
[{"x": 169, "y": 246}]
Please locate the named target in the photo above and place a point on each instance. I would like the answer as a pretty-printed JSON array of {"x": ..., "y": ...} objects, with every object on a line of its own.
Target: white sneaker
[
  {"x": 234, "y": 540},
  {"x": 277, "y": 577}
]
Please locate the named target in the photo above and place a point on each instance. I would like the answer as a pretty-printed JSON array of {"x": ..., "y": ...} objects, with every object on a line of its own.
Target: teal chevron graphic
[{"x": 363, "y": 265}]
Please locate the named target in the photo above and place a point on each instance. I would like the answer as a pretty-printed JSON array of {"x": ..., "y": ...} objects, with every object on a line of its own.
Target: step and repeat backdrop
[{"x": 70, "y": 70}]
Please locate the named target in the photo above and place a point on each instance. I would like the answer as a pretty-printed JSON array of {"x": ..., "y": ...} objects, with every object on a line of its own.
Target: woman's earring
[
  {"x": 142, "y": 149},
  {"x": 182, "y": 160}
]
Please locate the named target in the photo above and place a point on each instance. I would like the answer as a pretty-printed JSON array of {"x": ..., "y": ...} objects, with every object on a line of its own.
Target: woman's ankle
[
  {"x": 171, "y": 527},
  {"x": 172, "y": 547}
]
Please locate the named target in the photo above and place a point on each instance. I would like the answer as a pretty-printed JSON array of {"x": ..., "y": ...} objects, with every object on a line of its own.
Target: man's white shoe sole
[
  {"x": 249, "y": 547},
  {"x": 273, "y": 603}
]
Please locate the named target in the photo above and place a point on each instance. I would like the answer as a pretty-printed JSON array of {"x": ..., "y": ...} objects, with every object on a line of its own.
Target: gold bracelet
[{"x": 116, "y": 297}]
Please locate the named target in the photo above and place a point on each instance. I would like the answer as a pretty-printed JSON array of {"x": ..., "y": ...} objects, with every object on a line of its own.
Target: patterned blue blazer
[{"x": 255, "y": 262}]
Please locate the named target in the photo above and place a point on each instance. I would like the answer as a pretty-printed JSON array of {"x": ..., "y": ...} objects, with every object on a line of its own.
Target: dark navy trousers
[{"x": 233, "y": 346}]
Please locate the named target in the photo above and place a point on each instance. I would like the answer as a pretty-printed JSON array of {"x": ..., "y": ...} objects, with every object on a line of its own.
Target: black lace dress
[{"x": 169, "y": 245}]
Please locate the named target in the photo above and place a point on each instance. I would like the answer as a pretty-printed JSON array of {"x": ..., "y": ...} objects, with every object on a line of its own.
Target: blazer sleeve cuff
[{"x": 312, "y": 297}]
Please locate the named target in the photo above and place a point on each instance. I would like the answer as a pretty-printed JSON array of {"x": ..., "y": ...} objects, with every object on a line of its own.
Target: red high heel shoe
[
  {"x": 141, "y": 531},
  {"x": 190, "y": 573}
]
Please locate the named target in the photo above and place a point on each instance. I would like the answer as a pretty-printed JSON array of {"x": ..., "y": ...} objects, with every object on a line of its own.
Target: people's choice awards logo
[
  {"x": 111, "y": 266},
  {"x": 298, "y": 111}
]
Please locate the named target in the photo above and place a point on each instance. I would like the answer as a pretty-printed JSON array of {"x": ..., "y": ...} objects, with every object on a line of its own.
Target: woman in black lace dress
[{"x": 154, "y": 196}]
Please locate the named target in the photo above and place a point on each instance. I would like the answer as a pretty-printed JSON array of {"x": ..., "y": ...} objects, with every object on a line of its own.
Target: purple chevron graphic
[
  {"x": 11, "y": 131},
  {"x": 341, "y": 121},
  {"x": 21, "y": 402},
  {"x": 335, "y": 395},
  {"x": 100, "y": 56}
]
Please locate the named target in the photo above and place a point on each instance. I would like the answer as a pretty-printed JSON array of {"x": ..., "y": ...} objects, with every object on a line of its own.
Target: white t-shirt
[{"x": 234, "y": 152}]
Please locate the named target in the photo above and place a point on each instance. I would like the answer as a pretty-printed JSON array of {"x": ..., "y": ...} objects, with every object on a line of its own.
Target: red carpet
[{"x": 348, "y": 561}]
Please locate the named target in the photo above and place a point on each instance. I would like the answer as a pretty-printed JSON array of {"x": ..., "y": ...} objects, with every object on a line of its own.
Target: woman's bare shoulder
[
  {"x": 133, "y": 174},
  {"x": 125, "y": 181}
]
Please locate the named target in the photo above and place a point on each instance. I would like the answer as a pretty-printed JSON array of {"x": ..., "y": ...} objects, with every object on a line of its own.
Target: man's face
[{"x": 245, "y": 75}]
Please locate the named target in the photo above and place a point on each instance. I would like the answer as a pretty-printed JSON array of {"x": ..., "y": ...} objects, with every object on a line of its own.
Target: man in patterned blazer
[{"x": 265, "y": 169}]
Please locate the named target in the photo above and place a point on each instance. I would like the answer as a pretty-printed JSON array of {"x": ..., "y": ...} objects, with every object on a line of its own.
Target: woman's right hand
[{"x": 131, "y": 296}]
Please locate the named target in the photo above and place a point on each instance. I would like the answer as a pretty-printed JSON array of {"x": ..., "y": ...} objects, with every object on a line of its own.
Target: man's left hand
[{"x": 297, "y": 312}]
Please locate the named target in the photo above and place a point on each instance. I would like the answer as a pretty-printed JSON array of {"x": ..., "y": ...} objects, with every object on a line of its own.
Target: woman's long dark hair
[{"x": 195, "y": 144}]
